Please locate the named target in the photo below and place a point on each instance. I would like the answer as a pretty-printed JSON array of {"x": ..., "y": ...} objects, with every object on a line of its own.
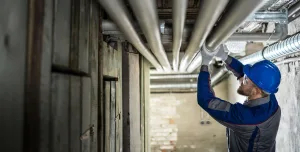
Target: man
[{"x": 252, "y": 126}]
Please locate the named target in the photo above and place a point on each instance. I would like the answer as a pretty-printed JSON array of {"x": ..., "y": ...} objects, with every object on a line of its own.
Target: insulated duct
[
  {"x": 286, "y": 47},
  {"x": 179, "y": 11},
  {"x": 119, "y": 15},
  {"x": 283, "y": 48},
  {"x": 146, "y": 14},
  {"x": 280, "y": 33},
  {"x": 209, "y": 12}
]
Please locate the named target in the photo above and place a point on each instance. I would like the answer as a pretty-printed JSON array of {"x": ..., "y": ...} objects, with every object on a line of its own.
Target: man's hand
[
  {"x": 222, "y": 52},
  {"x": 206, "y": 56}
]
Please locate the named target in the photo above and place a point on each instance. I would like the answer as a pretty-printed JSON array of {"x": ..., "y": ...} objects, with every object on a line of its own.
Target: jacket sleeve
[
  {"x": 235, "y": 66},
  {"x": 219, "y": 109}
]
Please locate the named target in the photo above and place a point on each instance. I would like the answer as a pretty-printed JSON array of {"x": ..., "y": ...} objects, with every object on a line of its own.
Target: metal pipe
[
  {"x": 260, "y": 37},
  {"x": 157, "y": 72},
  {"x": 110, "y": 28},
  {"x": 289, "y": 46},
  {"x": 174, "y": 86},
  {"x": 209, "y": 12},
  {"x": 179, "y": 76},
  {"x": 280, "y": 33},
  {"x": 231, "y": 20},
  {"x": 119, "y": 15},
  {"x": 294, "y": 11},
  {"x": 146, "y": 14},
  {"x": 179, "y": 11}
]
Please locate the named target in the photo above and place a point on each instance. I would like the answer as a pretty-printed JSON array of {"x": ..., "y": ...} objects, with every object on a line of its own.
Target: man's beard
[{"x": 244, "y": 92}]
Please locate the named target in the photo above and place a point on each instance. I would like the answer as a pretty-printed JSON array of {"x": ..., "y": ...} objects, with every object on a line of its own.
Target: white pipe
[
  {"x": 146, "y": 14},
  {"x": 209, "y": 12},
  {"x": 119, "y": 15},
  {"x": 179, "y": 11}
]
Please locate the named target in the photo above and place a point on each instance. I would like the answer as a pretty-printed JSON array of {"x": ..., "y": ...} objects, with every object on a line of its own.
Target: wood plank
[
  {"x": 119, "y": 118},
  {"x": 107, "y": 116},
  {"x": 32, "y": 113},
  {"x": 143, "y": 77},
  {"x": 125, "y": 101},
  {"x": 101, "y": 100},
  {"x": 62, "y": 24},
  {"x": 74, "y": 40},
  {"x": 86, "y": 111},
  {"x": 112, "y": 136},
  {"x": 75, "y": 114},
  {"x": 13, "y": 34},
  {"x": 83, "y": 56},
  {"x": 146, "y": 97},
  {"x": 93, "y": 65},
  {"x": 60, "y": 112},
  {"x": 45, "y": 87}
]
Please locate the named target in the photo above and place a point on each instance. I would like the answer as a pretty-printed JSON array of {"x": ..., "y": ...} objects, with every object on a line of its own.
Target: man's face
[{"x": 246, "y": 86}]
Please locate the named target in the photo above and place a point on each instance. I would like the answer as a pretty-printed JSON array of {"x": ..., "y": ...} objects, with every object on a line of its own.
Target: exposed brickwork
[{"x": 163, "y": 129}]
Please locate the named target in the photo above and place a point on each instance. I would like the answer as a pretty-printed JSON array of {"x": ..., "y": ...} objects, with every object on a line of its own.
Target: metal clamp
[{"x": 280, "y": 16}]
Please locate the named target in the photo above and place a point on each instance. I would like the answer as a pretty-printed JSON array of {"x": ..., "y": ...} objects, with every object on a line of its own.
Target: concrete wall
[
  {"x": 289, "y": 99},
  {"x": 175, "y": 123}
]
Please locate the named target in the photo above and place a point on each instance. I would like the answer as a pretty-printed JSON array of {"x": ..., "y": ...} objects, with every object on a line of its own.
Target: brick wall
[
  {"x": 163, "y": 129},
  {"x": 178, "y": 123}
]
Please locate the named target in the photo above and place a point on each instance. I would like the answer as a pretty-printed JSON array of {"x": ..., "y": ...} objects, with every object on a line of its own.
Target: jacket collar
[{"x": 257, "y": 102}]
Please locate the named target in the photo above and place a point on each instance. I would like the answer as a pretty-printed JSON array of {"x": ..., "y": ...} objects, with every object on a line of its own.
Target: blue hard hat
[{"x": 264, "y": 74}]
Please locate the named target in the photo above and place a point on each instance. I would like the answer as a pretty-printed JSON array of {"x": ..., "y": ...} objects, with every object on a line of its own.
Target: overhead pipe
[
  {"x": 231, "y": 20},
  {"x": 174, "y": 86},
  {"x": 146, "y": 14},
  {"x": 283, "y": 48},
  {"x": 110, "y": 28},
  {"x": 119, "y": 15},
  {"x": 289, "y": 46},
  {"x": 209, "y": 12},
  {"x": 177, "y": 76},
  {"x": 229, "y": 23},
  {"x": 294, "y": 11},
  {"x": 179, "y": 11},
  {"x": 280, "y": 33}
]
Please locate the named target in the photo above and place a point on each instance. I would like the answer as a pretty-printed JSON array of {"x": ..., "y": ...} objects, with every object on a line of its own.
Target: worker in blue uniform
[{"x": 253, "y": 125}]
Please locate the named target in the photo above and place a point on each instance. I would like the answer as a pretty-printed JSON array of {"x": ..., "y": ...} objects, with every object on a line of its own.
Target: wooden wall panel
[
  {"x": 75, "y": 114},
  {"x": 13, "y": 31},
  {"x": 62, "y": 24},
  {"x": 60, "y": 112}
]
